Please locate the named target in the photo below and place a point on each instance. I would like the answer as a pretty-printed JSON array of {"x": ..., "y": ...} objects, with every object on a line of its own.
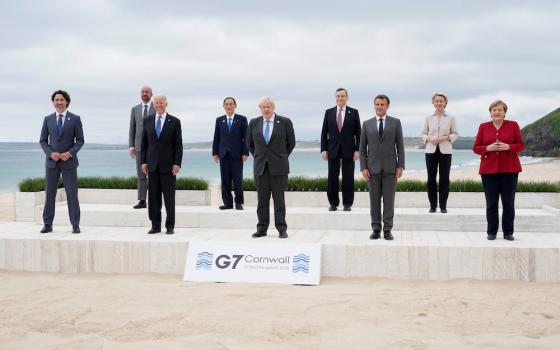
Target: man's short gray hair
[{"x": 267, "y": 99}]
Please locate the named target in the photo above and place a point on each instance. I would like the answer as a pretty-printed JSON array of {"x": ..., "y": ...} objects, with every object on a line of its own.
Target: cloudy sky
[{"x": 298, "y": 52}]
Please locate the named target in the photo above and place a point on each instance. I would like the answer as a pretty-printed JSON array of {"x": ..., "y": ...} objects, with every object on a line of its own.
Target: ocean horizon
[{"x": 19, "y": 164}]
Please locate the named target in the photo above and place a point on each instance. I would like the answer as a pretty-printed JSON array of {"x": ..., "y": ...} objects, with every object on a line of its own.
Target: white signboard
[{"x": 290, "y": 263}]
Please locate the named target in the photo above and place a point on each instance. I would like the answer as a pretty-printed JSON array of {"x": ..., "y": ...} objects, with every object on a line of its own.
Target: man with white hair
[
  {"x": 270, "y": 139},
  {"x": 162, "y": 154},
  {"x": 138, "y": 114}
]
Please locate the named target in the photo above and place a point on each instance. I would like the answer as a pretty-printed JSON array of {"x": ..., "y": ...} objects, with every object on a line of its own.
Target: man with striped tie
[
  {"x": 162, "y": 154},
  {"x": 270, "y": 139}
]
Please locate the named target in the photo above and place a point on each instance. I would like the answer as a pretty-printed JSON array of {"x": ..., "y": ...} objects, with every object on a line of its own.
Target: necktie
[
  {"x": 229, "y": 121},
  {"x": 158, "y": 126},
  {"x": 267, "y": 132},
  {"x": 339, "y": 120},
  {"x": 145, "y": 114},
  {"x": 381, "y": 127},
  {"x": 59, "y": 124}
]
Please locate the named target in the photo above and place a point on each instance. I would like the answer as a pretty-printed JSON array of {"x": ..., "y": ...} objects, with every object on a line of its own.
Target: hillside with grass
[{"x": 542, "y": 138}]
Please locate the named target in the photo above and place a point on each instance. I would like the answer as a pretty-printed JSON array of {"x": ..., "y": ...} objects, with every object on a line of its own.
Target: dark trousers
[
  {"x": 158, "y": 184},
  {"x": 268, "y": 184},
  {"x": 142, "y": 178},
  {"x": 495, "y": 186},
  {"x": 347, "y": 181},
  {"x": 231, "y": 170},
  {"x": 70, "y": 178},
  {"x": 433, "y": 161}
]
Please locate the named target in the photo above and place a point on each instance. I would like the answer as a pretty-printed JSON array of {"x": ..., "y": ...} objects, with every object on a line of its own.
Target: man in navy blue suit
[
  {"x": 162, "y": 154},
  {"x": 61, "y": 139},
  {"x": 230, "y": 150},
  {"x": 340, "y": 143}
]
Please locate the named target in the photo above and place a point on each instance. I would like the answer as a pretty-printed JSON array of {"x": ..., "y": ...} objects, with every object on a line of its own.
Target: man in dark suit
[
  {"x": 230, "y": 150},
  {"x": 162, "y": 154},
  {"x": 138, "y": 114},
  {"x": 271, "y": 139},
  {"x": 382, "y": 163},
  {"x": 61, "y": 139},
  {"x": 340, "y": 140}
]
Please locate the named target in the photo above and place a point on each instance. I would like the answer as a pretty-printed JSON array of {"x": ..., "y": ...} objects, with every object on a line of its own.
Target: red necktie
[{"x": 339, "y": 120}]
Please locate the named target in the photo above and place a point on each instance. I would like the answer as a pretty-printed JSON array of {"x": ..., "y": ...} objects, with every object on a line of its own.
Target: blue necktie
[
  {"x": 158, "y": 126},
  {"x": 229, "y": 121},
  {"x": 59, "y": 124},
  {"x": 267, "y": 132}
]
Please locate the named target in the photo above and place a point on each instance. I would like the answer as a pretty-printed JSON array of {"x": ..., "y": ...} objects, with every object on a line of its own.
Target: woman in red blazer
[{"x": 498, "y": 143}]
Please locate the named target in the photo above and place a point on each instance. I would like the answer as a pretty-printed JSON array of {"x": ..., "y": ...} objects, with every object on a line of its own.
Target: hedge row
[
  {"x": 296, "y": 183},
  {"x": 122, "y": 183}
]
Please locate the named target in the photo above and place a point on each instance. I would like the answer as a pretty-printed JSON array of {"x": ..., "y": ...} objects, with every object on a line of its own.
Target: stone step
[
  {"x": 414, "y": 254},
  {"x": 457, "y": 219}
]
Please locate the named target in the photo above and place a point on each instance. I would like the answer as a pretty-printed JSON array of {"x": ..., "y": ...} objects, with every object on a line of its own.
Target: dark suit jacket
[
  {"x": 161, "y": 154},
  {"x": 230, "y": 140},
  {"x": 275, "y": 153},
  {"x": 385, "y": 153},
  {"x": 347, "y": 140},
  {"x": 71, "y": 140},
  {"x": 504, "y": 161}
]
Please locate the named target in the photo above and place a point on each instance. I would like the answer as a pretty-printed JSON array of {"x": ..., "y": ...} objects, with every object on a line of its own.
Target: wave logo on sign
[
  {"x": 301, "y": 263},
  {"x": 204, "y": 261}
]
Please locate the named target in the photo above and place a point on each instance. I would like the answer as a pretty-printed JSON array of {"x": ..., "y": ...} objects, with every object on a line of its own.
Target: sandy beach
[
  {"x": 546, "y": 170},
  {"x": 92, "y": 311}
]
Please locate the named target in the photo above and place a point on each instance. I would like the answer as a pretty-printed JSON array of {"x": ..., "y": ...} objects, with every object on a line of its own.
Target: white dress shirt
[
  {"x": 63, "y": 116},
  {"x": 163, "y": 116}
]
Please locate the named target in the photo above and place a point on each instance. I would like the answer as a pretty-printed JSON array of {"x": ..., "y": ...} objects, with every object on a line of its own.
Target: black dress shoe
[
  {"x": 76, "y": 229},
  {"x": 258, "y": 234},
  {"x": 509, "y": 238},
  {"x": 491, "y": 237},
  {"x": 140, "y": 205},
  {"x": 443, "y": 210},
  {"x": 169, "y": 231},
  {"x": 375, "y": 235},
  {"x": 46, "y": 228},
  {"x": 432, "y": 210},
  {"x": 225, "y": 207},
  {"x": 332, "y": 208},
  {"x": 239, "y": 206},
  {"x": 347, "y": 208},
  {"x": 387, "y": 235},
  {"x": 154, "y": 230},
  {"x": 283, "y": 234}
]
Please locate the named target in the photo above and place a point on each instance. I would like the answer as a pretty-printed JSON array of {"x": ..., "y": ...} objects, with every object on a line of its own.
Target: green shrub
[
  {"x": 319, "y": 184},
  {"x": 115, "y": 182}
]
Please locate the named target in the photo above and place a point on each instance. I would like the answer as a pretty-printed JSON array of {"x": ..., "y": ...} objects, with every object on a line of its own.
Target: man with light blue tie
[
  {"x": 61, "y": 139},
  {"x": 271, "y": 140},
  {"x": 229, "y": 149}
]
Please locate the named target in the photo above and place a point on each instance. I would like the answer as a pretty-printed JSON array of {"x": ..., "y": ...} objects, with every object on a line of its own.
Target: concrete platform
[
  {"x": 414, "y": 254},
  {"x": 543, "y": 220}
]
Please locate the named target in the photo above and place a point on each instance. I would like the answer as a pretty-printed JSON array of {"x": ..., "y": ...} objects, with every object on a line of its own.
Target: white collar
[
  {"x": 63, "y": 113},
  {"x": 163, "y": 116},
  {"x": 383, "y": 117},
  {"x": 271, "y": 118},
  {"x": 228, "y": 117}
]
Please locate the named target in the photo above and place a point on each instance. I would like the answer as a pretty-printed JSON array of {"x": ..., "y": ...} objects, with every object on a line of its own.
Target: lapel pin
[{"x": 277, "y": 122}]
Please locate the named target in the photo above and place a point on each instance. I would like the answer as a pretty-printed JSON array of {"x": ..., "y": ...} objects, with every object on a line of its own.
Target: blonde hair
[
  {"x": 441, "y": 94},
  {"x": 498, "y": 103},
  {"x": 267, "y": 99}
]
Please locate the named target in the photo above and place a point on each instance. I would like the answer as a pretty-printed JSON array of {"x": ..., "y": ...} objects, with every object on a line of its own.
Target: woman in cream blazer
[{"x": 439, "y": 132}]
